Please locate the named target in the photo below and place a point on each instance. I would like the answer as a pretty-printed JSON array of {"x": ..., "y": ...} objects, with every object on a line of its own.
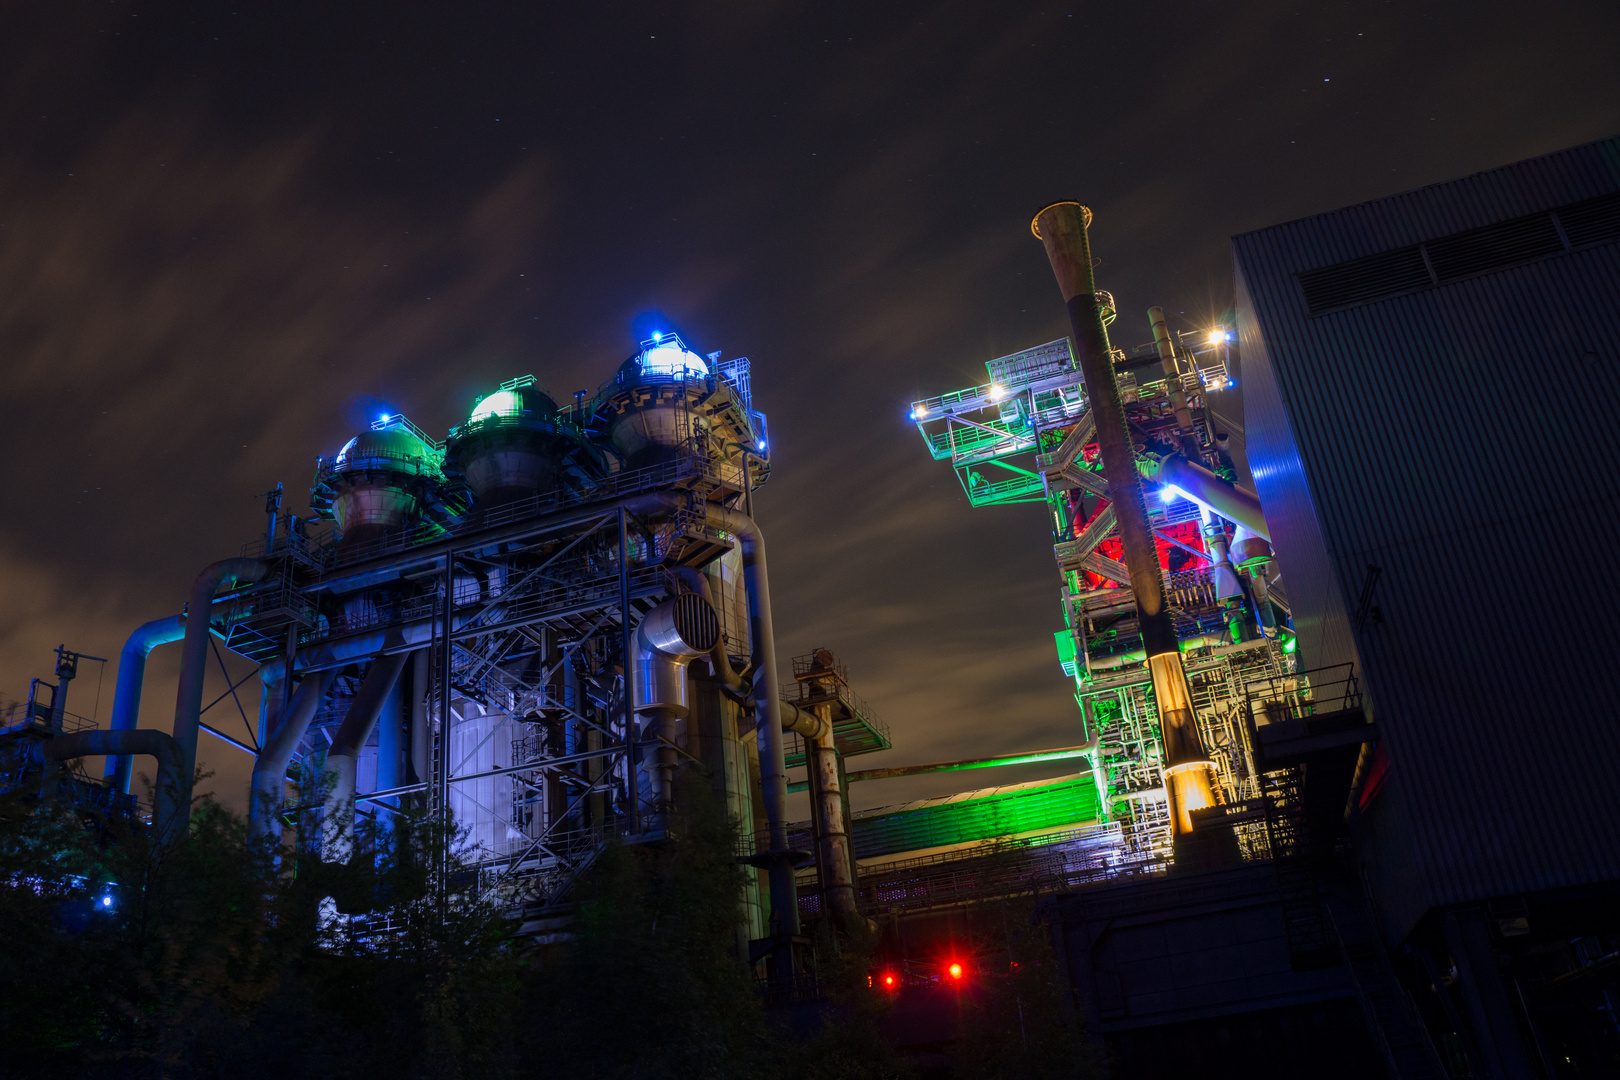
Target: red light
[
  {"x": 956, "y": 971},
  {"x": 888, "y": 980}
]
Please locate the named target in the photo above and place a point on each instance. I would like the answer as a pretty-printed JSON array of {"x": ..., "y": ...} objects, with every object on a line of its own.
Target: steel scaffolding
[{"x": 1027, "y": 435}]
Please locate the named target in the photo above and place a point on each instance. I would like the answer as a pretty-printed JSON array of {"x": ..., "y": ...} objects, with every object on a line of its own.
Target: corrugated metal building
[{"x": 1429, "y": 384}]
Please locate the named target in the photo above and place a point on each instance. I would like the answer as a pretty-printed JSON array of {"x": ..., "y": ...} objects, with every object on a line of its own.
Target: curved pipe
[
  {"x": 270, "y": 769},
  {"x": 126, "y": 707},
  {"x": 667, "y": 640},
  {"x": 698, "y": 582},
  {"x": 1211, "y": 492},
  {"x": 342, "y": 760},
  {"x": 194, "y": 663},
  {"x": 802, "y": 722},
  {"x": 166, "y": 786}
]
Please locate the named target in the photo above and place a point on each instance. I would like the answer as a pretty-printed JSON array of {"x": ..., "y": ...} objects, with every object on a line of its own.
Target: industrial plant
[{"x": 1340, "y": 784}]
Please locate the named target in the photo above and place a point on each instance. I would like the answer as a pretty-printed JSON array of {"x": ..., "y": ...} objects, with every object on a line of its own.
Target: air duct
[
  {"x": 669, "y": 638},
  {"x": 270, "y": 768},
  {"x": 767, "y": 714},
  {"x": 1189, "y": 774},
  {"x": 1209, "y": 491},
  {"x": 342, "y": 760},
  {"x": 168, "y": 789},
  {"x": 126, "y": 709},
  {"x": 1178, "y": 395}
]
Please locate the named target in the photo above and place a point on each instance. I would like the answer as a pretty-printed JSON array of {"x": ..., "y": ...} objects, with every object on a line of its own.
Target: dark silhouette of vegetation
[
  {"x": 1017, "y": 1020},
  {"x": 215, "y": 956}
]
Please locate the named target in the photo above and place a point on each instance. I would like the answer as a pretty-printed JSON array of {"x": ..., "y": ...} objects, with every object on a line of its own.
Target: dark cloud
[{"x": 223, "y": 234}]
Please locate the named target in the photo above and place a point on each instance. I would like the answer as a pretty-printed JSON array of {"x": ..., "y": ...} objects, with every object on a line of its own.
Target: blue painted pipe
[{"x": 126, "y": 709}]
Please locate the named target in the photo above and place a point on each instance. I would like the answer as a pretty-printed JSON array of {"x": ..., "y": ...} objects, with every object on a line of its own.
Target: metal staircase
[{"x": 1309, "y": 945}]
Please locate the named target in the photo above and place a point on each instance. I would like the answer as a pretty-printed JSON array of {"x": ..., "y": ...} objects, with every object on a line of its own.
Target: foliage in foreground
[{"x": 218, "y": 957}]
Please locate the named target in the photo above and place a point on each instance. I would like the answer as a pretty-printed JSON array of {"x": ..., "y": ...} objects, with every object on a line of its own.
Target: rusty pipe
[
  {"x": 1061, "y": 228},
  {"x": 1178, "y": 395}
]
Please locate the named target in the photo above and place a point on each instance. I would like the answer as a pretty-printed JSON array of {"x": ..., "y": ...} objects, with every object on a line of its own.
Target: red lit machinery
[{"x": 1170, "y": 597}]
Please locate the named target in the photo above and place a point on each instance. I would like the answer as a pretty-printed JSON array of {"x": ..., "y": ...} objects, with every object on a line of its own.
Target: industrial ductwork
[
  {"x": 270, "y": 768},
  {"x": 167, "y": 786},
  {"x": 767, "y": 713},
  {"x": 669, "y": 638},
  {"x": 126, "y": 709},
  {"x": 342, "y": 760},
  {"x": 194, "y": 664},
  {"x": 1209, "y": 491},
  {"x": 1189, "y": 774}
]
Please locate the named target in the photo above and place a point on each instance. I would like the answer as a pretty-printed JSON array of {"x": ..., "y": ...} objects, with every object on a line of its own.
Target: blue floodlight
[
  {"x": 385, "y": 417},
  {"x": 1170, "y": 493},
  {"x": 658, "y": 335},
  {"x": 107, "y": 901}
]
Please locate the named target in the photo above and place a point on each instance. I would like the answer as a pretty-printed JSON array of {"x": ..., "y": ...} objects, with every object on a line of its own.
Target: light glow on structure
[
  {"x": 502, "y": 403},
  {"x": 672, "y": 359},
  {"x": 1217, "y": 335},
  {"x": 1170, "y": 493},
  {"x": 955, "y": 970},
  {"x": 997, "y": 391}
]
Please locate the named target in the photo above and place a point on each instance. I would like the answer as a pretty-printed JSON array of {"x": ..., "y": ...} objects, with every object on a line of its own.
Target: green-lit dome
[
  {"x": 391, "y": 450},
  {"x": 509, "y": 446},
  {"x": 515, "y": 403}
]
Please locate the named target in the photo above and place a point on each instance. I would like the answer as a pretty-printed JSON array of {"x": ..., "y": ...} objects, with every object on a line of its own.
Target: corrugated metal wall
[{"x": 1463, "y": 438}]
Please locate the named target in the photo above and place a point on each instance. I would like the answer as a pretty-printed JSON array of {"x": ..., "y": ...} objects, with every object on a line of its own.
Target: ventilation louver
[
  {"x": 1461, "y": 255},
  {"x": 1593, "y": 221},
  {"x": 1493, "y": 247},
  {"x": 1360, "y": 280}
]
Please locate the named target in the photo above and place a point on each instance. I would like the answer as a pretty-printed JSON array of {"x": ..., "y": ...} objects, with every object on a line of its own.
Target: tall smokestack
[{"x": 1189, "y": 775}]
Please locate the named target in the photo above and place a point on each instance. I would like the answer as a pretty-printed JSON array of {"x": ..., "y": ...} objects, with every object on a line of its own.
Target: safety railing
[{"x": 1302, "y": 695}]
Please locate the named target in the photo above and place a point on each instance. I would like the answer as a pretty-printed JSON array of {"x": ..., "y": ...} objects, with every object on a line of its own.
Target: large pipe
[
  {"x": 194, "y": 664},
  {"x": 1062, "y": 753},
  {"x": 698, "y": 582},
  {"x": 802, "y": 722},
  {"x": 166, "y": 786},
  {"x": 126, "y": 707},
  {"x": 343, "y": 758},
  {"x": 767, "y": 713},
  {"x": 669, "y": 638},
  {"x": 1178, "y": 396},
  {"x": 827, "y": 804},
  {"x": 421, "y": 737},
  {"x": 1203, "y": 487},
  {"x": 1189, "y": 774},
  {"x": 270, "y": 769}
]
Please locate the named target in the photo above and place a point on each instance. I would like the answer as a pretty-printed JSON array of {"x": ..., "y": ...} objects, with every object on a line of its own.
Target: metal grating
[
  {"x": 1359, "y": 281},
  {"x": 1493, "y": 247}
]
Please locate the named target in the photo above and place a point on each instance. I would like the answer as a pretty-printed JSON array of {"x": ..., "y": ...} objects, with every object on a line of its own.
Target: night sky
[{"x": 230, "y": 237}]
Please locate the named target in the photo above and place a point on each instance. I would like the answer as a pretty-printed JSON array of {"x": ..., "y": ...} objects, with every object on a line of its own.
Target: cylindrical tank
[
  {"x": 378, "y": 482},
  {"x": 649, "y": 414},
  {"x": 510, "y": 446}
]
